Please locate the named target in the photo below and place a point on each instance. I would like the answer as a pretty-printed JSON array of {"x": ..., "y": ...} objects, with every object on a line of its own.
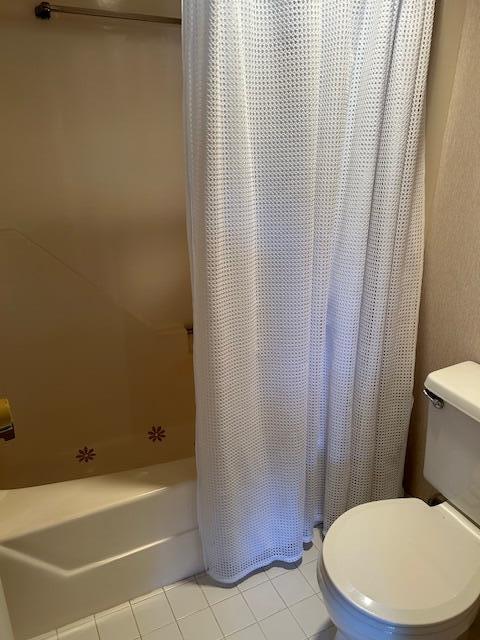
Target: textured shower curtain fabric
[{"x": 304, "y": 131}]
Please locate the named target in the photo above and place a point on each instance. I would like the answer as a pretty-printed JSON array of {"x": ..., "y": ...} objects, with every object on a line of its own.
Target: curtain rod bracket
[{"x": 43, "y": 11}]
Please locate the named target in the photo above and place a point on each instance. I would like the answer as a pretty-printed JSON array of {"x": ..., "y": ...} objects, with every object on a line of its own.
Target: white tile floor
[{"x": 277, "y": 604}]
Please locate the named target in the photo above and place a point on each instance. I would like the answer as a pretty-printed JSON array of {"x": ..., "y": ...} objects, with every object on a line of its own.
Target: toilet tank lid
[{"x": 459, "y": 385}]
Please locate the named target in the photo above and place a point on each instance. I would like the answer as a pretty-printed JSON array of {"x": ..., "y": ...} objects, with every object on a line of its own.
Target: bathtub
[{"x": 72, "y": 548}]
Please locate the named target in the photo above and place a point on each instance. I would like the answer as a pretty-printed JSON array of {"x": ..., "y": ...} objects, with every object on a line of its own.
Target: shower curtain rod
[{"x": 45, "y": 9}]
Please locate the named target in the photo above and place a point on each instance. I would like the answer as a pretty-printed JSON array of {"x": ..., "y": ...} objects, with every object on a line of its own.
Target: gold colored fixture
[{"x": 7, "y": 429}]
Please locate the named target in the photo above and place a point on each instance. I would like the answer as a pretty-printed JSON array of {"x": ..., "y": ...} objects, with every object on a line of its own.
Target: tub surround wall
[
  {"x": 449, "y": 329},
  {"x": 95, "y": 286}
]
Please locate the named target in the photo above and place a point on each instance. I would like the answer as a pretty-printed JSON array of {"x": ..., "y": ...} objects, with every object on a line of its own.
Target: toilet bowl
[{"x": 400, "y": 569}]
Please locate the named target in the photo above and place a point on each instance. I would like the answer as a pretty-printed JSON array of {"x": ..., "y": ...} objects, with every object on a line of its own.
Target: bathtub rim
[{"x": 32, "y": 509}]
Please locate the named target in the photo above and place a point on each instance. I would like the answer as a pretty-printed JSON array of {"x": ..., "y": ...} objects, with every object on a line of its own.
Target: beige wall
[
  {"x": 94, "y": 273},
  {"x": 449, "y": 330},
  {"x": 94, "y": 282}
]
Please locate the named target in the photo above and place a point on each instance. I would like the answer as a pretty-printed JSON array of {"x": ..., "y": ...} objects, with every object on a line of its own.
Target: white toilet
[{"x": 399, "y": 568}]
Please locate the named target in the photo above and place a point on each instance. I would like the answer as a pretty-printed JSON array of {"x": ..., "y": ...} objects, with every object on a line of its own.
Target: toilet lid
[{"x": 404, "y": 562}]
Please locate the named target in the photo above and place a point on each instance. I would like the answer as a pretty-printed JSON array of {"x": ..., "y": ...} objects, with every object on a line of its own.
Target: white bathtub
[{"x": 71, "y": 548}]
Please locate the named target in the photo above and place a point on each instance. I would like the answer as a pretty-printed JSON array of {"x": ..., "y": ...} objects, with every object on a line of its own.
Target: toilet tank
[{"x": 452, "y": 454}]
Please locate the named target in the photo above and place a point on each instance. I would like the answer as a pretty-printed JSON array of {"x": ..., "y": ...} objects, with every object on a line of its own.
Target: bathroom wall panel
[
  {"x": 449, "y": 329},
  {"x": 94, "y": 280}
]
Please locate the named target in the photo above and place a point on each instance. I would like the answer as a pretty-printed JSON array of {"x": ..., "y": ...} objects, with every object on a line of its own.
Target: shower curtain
[{"x": 304, "y": 131}]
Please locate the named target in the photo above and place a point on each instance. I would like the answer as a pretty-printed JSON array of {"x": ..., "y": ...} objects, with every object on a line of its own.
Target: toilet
[{"x": 401, "y": 569}]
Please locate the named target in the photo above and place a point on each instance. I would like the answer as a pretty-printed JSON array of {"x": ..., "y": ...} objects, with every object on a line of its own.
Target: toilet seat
[
  {"x": 355, "y": 624},
  {"x": 404, "y": 564}
]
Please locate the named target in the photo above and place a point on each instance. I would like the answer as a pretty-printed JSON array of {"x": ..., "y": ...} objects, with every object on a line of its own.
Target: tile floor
[{"x": 276, "y": 604}]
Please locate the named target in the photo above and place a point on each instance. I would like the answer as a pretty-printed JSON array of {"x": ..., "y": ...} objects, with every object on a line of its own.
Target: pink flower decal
[
  {"x": 86, "y": 454},
  {"x": 157, "y": 434}
]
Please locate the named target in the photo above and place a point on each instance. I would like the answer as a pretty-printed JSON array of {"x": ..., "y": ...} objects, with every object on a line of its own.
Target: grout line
[
  {"x": 215, "y": 617},
  {"x": 195, "y": 578},
  {"x": 173, "y": 614},
  {"x": 257, "y": 622},
  {"x": 96, "y": 628},
  {"x": 251, "y": 611},
  {"x": 134, "y": 619},
  {"x": 248, "y": 606},
  {"x": 286, "y": 606},
  {"x": 238, "y": 592},
  {"x": 146, "y": 596},
  {"x": 301, "y": 600}
]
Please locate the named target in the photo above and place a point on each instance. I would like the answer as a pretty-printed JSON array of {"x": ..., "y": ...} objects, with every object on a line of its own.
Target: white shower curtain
[{"x": 305, "y": 180}]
